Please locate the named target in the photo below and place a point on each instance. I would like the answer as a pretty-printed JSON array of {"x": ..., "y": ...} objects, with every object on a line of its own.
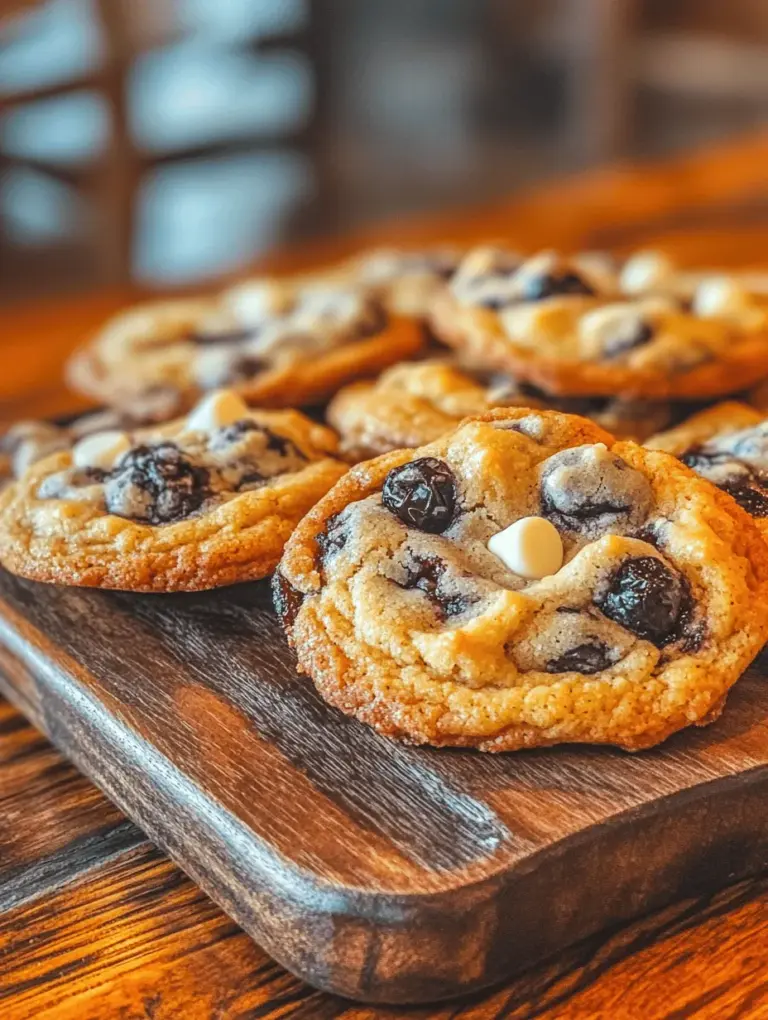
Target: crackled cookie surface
[
  {"x": 587, "y": 325},
  {"x": 416, "y": 403},
  {"x": 728, "y": 445},
  {"x": 207, "y": 500},
  {"x": 276, "y": 343},
  {"x": 523, "y": 581}
]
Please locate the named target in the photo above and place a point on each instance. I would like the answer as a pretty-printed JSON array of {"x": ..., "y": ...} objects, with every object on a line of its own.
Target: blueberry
[
  {"x": 647, "y": 598},
  {"x": 739, "y": 479},
  {"x": 230, "y": 336},
  {"x": 156, "y": 484},
  {"x": 701, "y": 461},
  {"x": 636, "y": 335},
  {"x": 287, "y": 599},
  {"x": 332, "y": 538},
  {"x": 274, "y": 441},
  {"x": 245, "y": 367},
  {"x": 750, "y": 495},
  {"x": 427, "y": 574},
  {"x": 590, "y": 657},
  {"x": 422, "y": 493},
  {"x": 374, "y": 321},
  {"x": 548, "y": 285}
]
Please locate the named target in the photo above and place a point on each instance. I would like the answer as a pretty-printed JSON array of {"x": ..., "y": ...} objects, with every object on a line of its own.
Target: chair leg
[
  {"x": 601, "y": 85},
  {"x": 119, "y": 176}
]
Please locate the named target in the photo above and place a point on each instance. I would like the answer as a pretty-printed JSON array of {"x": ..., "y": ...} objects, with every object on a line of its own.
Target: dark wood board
[{"x": 372, "y": 870}]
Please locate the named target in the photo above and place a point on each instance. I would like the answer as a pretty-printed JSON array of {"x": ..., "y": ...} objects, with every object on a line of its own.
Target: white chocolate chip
[
  {"x": 648, "y": 270},
  {"x": 218, "y": 409},
  {"x": 609, "y": 324},
  {"x": 531, "y": 547},
  {"x": 257, "y": 301},
  {"x": 721, "y": 297},
  {"x": 100, "y": 450}
]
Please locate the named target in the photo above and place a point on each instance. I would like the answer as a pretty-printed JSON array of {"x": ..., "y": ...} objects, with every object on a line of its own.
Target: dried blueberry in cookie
[
  {"x": 588, "y": 589},
  {"x": 728, "y": 445},
  {"x": 156, "y": 484},
  {"x": 332, "y": 538},
  {"x": 288, "y": 600},
  {"x": 206, "y": 500},
  {"x": 431, "y": 575},
  {"x": 485, "y": 278},
  {"x": 422, "y": 494},
  {"x": 628, "y": 336},
  {"x": 218, "y": 338},
  {"x": 646, "y": 597},
  {"x": 590, "y": 657},
  {"x": 553, "y": 284},
  {"x": 751, "y": 494}
]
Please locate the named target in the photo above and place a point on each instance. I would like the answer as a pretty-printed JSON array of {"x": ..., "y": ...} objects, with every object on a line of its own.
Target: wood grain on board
[
  {"x": 702, "y": 957},
  {"x": 370, "y": 869},
  {"x": 125, "y": 934}
]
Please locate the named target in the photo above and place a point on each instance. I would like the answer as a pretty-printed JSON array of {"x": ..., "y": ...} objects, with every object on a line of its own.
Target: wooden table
[{"x": 96, "y": 923}]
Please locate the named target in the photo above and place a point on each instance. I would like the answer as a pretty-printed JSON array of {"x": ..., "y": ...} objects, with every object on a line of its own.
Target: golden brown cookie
[
  {"x": 26, "y": 442},
  {"x": 414, "y": 403},
  {"x": 405, "y": 281},
  {"x": 204, "y": 501},
  {"x": 654, "y": 272},
  {"x": 728, "y": 445},
  {"x": 525, "y": 581},
  {"x": 276, "y": 343},
  {"x": 572, "y": 327}
]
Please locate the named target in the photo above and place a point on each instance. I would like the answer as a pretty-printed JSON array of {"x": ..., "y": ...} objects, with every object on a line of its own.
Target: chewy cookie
[
  {"x": 728, "y": 445},
  {"x": 576, "y": 326},
  {"x": 26, "y": 442},
  {"x": 204, "y": 501},
  {"x": 415, "y": 403},
  {"x": 275, "y": 343},
  {"x": 525, "y": 580}
]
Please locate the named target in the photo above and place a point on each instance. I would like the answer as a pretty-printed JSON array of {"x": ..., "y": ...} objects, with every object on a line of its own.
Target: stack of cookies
[{"x": 473, "y": 549}]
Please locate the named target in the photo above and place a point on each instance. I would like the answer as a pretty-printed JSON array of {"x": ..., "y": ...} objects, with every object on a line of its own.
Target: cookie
[
  {"x": 275, "y": 343},
  {"x": 26, "y": 442},
  {"x": 406, "y": 282},
  {"x": 654, "y": 272},
  {"x": 728, "y": 445},
  {"x": 204, "y": 501},
  {"x": 414, "y": 403},
  {"x": 524, "y": 581},
  {"x": 569, "y": 326}
]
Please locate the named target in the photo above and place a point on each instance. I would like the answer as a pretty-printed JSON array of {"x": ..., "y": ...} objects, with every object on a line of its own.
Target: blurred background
[{"x": 166, "y": 142}]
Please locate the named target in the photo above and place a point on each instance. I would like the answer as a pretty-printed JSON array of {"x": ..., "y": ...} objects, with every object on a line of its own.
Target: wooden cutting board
[{"x": 374, "y": 870}]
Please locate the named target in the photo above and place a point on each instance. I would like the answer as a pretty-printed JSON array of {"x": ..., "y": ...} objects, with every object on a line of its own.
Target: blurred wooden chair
[
  {"x": 611, "y": 50},
  {"x": 702, "y": 51},
  {"x": 111, "y": 183}
]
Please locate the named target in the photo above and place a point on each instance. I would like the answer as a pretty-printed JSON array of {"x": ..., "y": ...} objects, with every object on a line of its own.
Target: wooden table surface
[{"x": 96, "y": 923}]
